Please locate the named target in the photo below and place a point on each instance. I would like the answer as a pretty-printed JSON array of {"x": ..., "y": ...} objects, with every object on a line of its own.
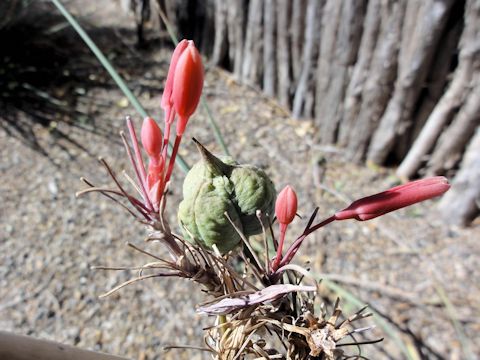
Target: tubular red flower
[
  {"x": 187, "y": 85},
  {"x": 167, "y": 92},
  {"x": 152, "y": 139},
  {"x": 286, "y": 205},
  {"x": 395, "y": 198}
]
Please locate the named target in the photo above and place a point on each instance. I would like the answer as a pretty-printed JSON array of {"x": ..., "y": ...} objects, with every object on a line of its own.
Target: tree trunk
[
  {"x": 346, "y": 45},
  {"x": 353, "y": 97},
  {"x": 462, "y": 202},
  {"x": 235, "y": 26},
  {"x": 330, "y": 21},
  {"x": 304, "y": 91},
  {"x": 453, "y": 141},
  {"x": 379, "y": 84},
  {"x": 437, "y": 78},
  {"x": 297, "y": 29},
  {"x": 269, "y": 60},
  {"x": 453, "y": 99},
  {"x": 419, "y": 41},
  {"x": 282, "y": 52},
  {"x": 220, "y": 46},
  {"x": 253, "y": 60}
]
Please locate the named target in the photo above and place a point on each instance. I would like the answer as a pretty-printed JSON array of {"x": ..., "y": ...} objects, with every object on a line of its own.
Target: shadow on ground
[{"x": 50, "y": 77}]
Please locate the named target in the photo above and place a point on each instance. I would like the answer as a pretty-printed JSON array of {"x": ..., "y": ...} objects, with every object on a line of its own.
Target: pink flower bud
[
  {"x": 152, "y": 139},
  {"x": 395, "y": 198},
  {"x": 167, "y": 92},
  {"x": 286, "y": 205},
  {"x": 187, "y": 85}
]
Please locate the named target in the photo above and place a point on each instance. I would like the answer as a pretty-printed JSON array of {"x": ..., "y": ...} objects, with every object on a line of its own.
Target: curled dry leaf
[{"x": 268, "y": 294}]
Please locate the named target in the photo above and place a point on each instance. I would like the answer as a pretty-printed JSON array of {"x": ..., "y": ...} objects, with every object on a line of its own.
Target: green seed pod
[{"x": 216, "y": 186}]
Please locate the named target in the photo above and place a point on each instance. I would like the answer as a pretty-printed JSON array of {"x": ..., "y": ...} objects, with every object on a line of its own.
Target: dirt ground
[{"x": 421, "y": 276}]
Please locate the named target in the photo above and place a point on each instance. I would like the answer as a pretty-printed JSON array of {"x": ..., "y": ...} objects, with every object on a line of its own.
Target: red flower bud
[
  {"x": 167, "y": 92},
  {"x": 187, "y": 85},
  {"x": 286, "y": 205},
  {"x": 152, "y": 139},
  {"x": 395, "y": 198}
]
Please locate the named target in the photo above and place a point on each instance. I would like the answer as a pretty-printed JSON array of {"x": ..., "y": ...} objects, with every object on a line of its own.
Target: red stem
[
  {"x": 148, "y": 203},
  {"x": 292, "y": 250},
  {"x": 136, "y": 148},
  {"x": 169, "y": 118},
  {"x": 278, "y": 258},
  {"x": 166, "y": 136},
  {"x": 171, "y": 163}
]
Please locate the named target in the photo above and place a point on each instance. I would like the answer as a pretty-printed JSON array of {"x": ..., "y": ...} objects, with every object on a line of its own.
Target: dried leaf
[{"x": 268, "y": 294}]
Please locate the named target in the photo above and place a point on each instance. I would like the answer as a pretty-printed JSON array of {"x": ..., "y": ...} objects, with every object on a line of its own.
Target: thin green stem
[
  {"x": 169, "y": 27},
  {"x": 452, "y": 313},
  {"x": 216, "y": 130},
  {"x": 103, "y": 60}
]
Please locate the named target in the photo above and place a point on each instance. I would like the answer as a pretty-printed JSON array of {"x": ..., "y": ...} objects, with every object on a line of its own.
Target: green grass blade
[
  {"x": 168, "y": 25},
  {"x": 464, "y": 341},
  {"x": 216, "y": 130},
  {"x": 103, "y": 60},
  {"x": 113, "y": 73}
]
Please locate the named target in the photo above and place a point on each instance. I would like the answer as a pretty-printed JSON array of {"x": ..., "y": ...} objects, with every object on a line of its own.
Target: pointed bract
[
  {"x": 286, "y": 205},
  {"x": 395, "y": 198}
]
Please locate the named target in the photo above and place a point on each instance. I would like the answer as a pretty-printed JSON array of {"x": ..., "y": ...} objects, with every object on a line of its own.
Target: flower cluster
[{"x": 179, "y": 101}]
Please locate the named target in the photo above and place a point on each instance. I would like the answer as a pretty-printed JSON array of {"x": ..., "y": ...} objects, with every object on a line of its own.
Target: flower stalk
[
  {"x": 366, "y": 208},
  {"x": 285, "y": 210}
]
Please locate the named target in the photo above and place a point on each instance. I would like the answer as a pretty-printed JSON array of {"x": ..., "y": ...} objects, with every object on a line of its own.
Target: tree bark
[
  {"x": 283, "y": 52},
  {"x": 418, "y": 45},
  {"x": 353, "y": 97},
  {"x": 453, "y": 141},
  {"x": 437, "y": 80},
  {"x": 220, "y": 46},
  {"x": 379, "y": 84},
  {"x": 329, "y": 29},
  {"x": 461, "y": 203},
  {"x": 297, "y": 31},
  {"x": 303, "y": 99},
  {"x": 209, "y": 29},
  {"x": 346, "y": 44},
  {"x": 252, "y": 60},
  {"x": 269, "y": 59},
  {"x": 453, "y": 98},
  {"x": 235, "y": 26}
]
